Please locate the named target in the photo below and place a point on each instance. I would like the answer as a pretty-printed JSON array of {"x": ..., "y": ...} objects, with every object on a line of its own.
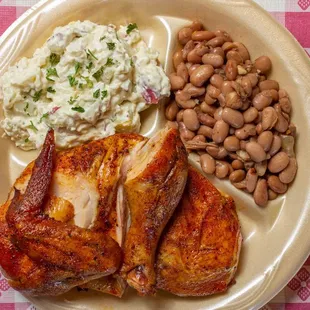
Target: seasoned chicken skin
[
  {"x": 199, "y": 250},
  {"x": 41, "y": 255}
]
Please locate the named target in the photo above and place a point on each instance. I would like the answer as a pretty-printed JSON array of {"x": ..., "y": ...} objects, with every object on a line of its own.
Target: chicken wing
[{"x": 199, "y": 250}]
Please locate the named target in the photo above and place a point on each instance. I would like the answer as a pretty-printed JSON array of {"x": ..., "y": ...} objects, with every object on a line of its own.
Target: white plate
[{"x": 276, "y": 238}]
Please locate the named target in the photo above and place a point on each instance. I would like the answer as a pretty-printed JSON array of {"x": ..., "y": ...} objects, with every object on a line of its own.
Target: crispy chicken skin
[
  {"x": 199, "y": 250},
  {"x": 153, "y": 188},
  {"x": 41, "y": 255}
]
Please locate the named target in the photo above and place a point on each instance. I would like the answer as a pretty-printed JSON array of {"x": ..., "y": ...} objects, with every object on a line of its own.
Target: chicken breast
[{"x": 199, "y": 251}]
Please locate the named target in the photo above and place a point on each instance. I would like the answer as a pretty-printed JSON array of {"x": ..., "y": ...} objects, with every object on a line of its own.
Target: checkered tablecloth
[{"x": 295, "y": 16}]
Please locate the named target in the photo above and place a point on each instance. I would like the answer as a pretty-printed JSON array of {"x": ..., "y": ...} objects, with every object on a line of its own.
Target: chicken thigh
[{"x": 199, "y": 250}]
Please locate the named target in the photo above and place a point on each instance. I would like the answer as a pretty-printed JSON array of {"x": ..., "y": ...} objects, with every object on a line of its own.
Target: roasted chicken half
[
  {"x": 99, "y": 187},
  {"x": 199, "y": 250}
]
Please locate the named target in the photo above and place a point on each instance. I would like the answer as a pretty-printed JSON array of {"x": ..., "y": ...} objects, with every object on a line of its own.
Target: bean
[
  {"x": 256, "y": 151},
  {"x": 240, "y": 185},
  {"x": 237, "y": 164},
  {"x": 278, "y": 162},
  {"x": 221, "y": 169},
  {"x": 217, "y": 152},
  {"x": 216, "y": 61},
  {"x": 180, "y": 116},
  {"x": 283, "y": 93},
  {"x": 205, "y": 131},
  {"x": 182, "y": 71},
  {"x": 233, "y": 117},
  {"x": 221, "y": 99},
  {"x": 269, "y": 118},
  {"x": 268, "y": 84},
  {"x": 275, "y": 146},
  {"x": 227, "y": 88},
  {"x": 192, "y": 68},
  {"x": 220, "y": 131},
  {"x": 237, "y": 176},
  {"x": 224, "y": 34},
  {"x": 281, "y": 124},
  {"x": 201, "y": 49},
  {"x": 246, "y": 85},
  {"x": 250, "y": 115},
  {"x": 186, "y": 104},
  {"x": 177, "y": 58},
  {"x": 272, "y": 195},
  {"x": 285, "y": 105},
  {"x": 243, "y": 144},
  {"x": 258, "y": 119},
  {"x": 263, "y": 64},
  {"x": 255, "y": 92},
  {"x": 288, "y": 174},
  {"x": 218, "y": 114},
  {"x": 209, "y": 100},
  {"x": 217, "y": 81},
  {"x": 261, "y": 168},
  {"x": 291, "y": 130},
  {"x": 213, "y": 92},
  {"x": 232, "y": 144},
  {"x": 231, "y": 70},
  {"x": 251, "y": 180},
  {"x": 199, "y": 138},
  {"x": 185, "y": 133},
  {"x": 207, "y": 108},
  {"x": 216, "y": 42},
  {"x": 172, "y": 111},
  {"x": 242, "y": 50},
  {"x": 193, "y": 57},
  {"x": 218, "y": 51},
  {"x": 271, "y": 93},
  {"x": 207, "y": 164},
  {"x": 233, "y": 100},
  {"x": 253, "y": 78},
  {"x": 190, "y": 120},
  {"x": 261, "y": 101},
  {"x": 194, "y": 91},
  {"x": 276, "y": 185},
  {"x": 189, "y": 46},
  {"x": 196, "y": 25},
  {"x": 185, "y": 35},
  {"x": 234, "y": 55},
  {"x": 261, "y": 193},
  {"x": 202, "y": 35},
  {"x": 246, "y": 131},
  {"x": 248, "y": 165},
  {"x": 265, "y": 140},
  {"x": 205, "y": 119},
  {"x": 176, "y": 82},
  {"x": 201, "y": 75}
]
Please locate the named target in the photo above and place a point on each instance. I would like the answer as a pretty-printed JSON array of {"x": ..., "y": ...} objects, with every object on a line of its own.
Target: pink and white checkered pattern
[{"x": 295, "y": 16}]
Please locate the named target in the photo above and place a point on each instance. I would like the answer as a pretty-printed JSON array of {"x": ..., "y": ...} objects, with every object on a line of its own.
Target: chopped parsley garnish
[
  {"x": 96, "y": 94},
  {"x": 89, "y": 84},
  {"x": 72, "y": 80},
  {"x": 54, "y": 59},
  {"x": 104, "y": 94},
  {"x": 32, "y": 127},
  {"x": 90, "y": 54},
  {"x": 77, "y": 67},
  {"x": 51, "y": 90},
  {"x": 45, "y": 115},
  {"x": 72, "y": 100},
  {"x": 102, "y": 38},
  {"x": 51, "y": 72},
  {"x": 26, "y": 107},
  {"x": 111, "y": 46},
  {"x": 131, "y": 27},
  {"x": 109, "y": 62},
  {"x": 81, "y": 85},
  {"x": 78, "y": 109},
  {"x": 97, "y": 75},
  {"x": 26, "y": 140},
  {"x": 37, "y": 95},
  {"x": 132, "y": 63},
  {"x": 89, "y": 66}
]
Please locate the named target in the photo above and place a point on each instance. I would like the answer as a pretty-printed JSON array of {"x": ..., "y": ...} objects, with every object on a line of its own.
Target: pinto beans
[{"x": 202, "y": 74}]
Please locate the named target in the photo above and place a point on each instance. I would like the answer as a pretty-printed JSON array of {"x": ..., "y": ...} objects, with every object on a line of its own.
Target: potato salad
[{"x": 87, "y": 82}]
